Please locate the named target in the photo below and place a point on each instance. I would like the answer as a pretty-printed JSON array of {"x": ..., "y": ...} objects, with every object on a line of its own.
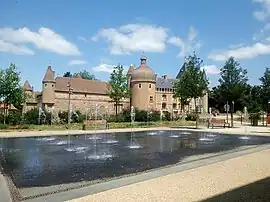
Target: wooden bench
[{"x": 218, "y": 123}]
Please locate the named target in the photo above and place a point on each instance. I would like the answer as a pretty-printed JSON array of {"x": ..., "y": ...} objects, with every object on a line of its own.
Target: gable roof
[{"x": 80, "y": 85}]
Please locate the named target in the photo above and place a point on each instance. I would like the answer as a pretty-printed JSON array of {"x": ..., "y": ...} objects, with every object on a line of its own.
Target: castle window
[
  {"x": 151, "y": 99},
  {"x": 85, "y": 95},
  {"x": 163, "y": 105},
  {"x": 164, "y": 97},
  {"x": 45, "y": 85},
  {"x": 149, "y": 85},
  {"x": 174, "y": 105},
  {"x": 52, "y": 85},
  {"x": 140, "y": 85}
]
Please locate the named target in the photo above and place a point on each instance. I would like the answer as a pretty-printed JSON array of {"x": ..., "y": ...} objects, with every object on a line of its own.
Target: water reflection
[{"x": 51, "y": 160}]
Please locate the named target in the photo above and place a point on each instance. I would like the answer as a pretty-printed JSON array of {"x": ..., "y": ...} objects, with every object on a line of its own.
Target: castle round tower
[
  {"x": 48, "y": 87},
  {"x": 143, "y": 87}
]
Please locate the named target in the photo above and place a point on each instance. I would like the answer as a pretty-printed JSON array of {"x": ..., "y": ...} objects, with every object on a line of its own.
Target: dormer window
[
  {"x": 45, "y": 85},
  {"x": 150, "y": 86},
  {"x": 140, "y": 85}
]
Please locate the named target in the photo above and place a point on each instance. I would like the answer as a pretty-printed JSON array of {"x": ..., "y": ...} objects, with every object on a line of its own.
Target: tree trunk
[
  {"x": 231, "y": 119},
  {"x": 232, "y": 110},
  {"x": 116, "y": 111},
  {"x": 196, "y": 114}
]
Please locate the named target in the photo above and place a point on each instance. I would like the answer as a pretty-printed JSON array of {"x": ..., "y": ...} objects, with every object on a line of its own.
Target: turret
[
  {"x": 27, "y": 88},
  {"x": 143, "y": 86},
  {"x": 48, "y": 87}
]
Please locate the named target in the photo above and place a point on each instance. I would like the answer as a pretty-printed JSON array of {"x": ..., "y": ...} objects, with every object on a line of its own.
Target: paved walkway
[{"x": 192, "y": 185}]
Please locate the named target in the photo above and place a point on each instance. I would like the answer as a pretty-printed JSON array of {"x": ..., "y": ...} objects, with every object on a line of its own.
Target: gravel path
[{"x": 192, "y": 185}]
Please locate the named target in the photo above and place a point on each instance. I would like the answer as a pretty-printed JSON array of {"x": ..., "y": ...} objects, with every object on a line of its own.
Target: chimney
[{"x": 165, "y": 77}]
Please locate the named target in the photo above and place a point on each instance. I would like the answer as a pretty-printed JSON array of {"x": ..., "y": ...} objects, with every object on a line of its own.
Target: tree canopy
[
  {"x": 84, "y": 74},
  {"x": 192, "y": 82},
  {"x": 265, "y": 85},
  {"x": 11, "y": 92},
  {"x": 118, "y": 86}
]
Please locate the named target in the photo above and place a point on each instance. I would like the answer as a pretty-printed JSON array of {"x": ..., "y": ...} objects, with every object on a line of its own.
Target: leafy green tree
[
  {"x": 118, "y": 88},
  {"x": 192, "y": 82},
  {"x": 265, "y": 85},
  {"x": 232, "y": 84},
  {"x": 84, "y": 74},
  {"x": 67, "y": 74},
  {"x": 11, "y": 92}
]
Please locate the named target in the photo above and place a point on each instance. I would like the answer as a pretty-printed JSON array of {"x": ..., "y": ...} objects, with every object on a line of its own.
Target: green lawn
[{"x": 78, "y": 126}]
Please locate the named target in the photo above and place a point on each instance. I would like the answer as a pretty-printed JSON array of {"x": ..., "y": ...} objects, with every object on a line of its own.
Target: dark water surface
[{"x": 45, "y": 161}]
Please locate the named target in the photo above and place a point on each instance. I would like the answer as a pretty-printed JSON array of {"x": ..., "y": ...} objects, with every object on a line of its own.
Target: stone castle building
[{"x": 149, "y": 92}]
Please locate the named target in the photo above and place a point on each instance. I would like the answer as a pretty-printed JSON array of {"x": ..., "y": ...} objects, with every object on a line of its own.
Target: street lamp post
[
  {"x": 232, "y": 114},
  {"x": 70, "y": 91}
]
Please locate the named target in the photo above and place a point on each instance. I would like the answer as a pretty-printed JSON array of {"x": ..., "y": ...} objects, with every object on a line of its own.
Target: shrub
[
  {"x": 14, "y": 117},
  {"x": 63, "y": 116},
  {"x": 191, "y": 117},
  {"x": 3, "y": 126},
  {"x": 166, "y": 116},
  {"x": 31, "y": 116}
]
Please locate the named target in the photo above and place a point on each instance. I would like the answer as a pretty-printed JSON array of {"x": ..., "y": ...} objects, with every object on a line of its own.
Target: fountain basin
[{"x": 31, "y": 164}]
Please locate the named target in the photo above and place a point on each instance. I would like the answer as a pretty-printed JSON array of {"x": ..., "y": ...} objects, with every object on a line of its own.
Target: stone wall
[{"x": 85, "y": 102}]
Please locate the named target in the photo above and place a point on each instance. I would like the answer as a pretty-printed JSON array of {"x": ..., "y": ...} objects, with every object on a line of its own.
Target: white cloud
[
  {"x": 244, "y": 52},
  {"x": 211, "y": 69},
  {"x": 104, "y": 68},
  {"x": 77, "y": 62},
  {"x": 134, "y": 38},
  {"x": 264, "y": 13},
  {"x": 107, "y": 68},
  {"x": 81, "y": 38},
  {"x": 45, "y": 39},
  {"x": 187, "y": 46},
  {"x": 12, "y": 48}
]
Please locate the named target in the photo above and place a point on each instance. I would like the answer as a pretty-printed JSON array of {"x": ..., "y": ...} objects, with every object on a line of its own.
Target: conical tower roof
[
  {"x": 49, "y": 75},
  {"x": 130, "y": 70},
  {"x": 27, "y": 86},
  {"x": 78, "y": 76}
]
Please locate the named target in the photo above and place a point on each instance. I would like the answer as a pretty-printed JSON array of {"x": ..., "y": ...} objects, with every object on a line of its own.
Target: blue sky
[{"x": 97, "y": 35}]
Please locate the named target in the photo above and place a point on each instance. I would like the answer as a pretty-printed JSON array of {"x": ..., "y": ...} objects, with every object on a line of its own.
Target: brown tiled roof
[
  {"x": 80, "y": 85},
  {"x": 49, "y": 75},
  {"x": 27, "y": 86},
  {"x": 78, "y": 76},
  {"x": 10, "y": 107}
]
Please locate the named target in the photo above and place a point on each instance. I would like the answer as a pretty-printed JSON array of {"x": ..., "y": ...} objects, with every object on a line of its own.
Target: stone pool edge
[
  {"x": 237, "y": 130},
  {"x": 116, "y": 183}
]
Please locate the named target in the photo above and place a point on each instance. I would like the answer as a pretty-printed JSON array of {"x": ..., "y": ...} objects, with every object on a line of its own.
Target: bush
[
  {"x": 3, "y": 126},
  {"x": 31, "y": 116},
  {"x": 63, "y": 116},
  {"x": 76, "y": 117},
  {"x": 166, "y": 116},
  {"x": 191, "y": 117},
  {"x": 14, "y": 117}
]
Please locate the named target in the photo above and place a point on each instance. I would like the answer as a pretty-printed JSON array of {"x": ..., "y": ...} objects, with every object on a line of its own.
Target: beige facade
[{"x": 149, "y": 92}]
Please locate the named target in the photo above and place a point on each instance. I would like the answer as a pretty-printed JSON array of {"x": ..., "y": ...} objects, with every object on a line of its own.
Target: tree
[
  {"x": 11, "y": 92},
  {"x": 67, "y": 74},
  {"x": 232, "y": 84},
  {"x": 265, "y": 85},
  {"x": 192, "y": 82},
  {"x": 118, "y": 88},
  {"x": 84, "y": 74}
]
